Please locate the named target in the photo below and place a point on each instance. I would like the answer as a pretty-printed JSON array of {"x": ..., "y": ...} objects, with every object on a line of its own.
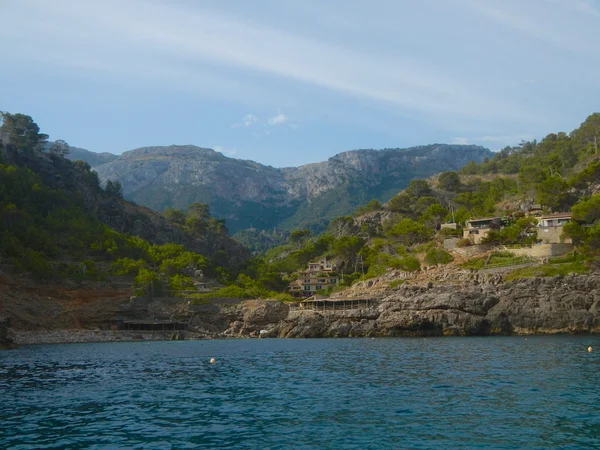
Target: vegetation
[
  {"x": 50, "y": 231},
  {"x": 496, "y": 259}
]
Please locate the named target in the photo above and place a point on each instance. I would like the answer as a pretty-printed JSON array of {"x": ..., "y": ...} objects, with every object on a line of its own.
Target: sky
[{"x": 290, "y": 82}]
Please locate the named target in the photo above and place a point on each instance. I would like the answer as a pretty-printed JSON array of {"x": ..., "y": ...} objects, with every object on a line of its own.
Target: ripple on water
[{"x": 271, "y": 394}]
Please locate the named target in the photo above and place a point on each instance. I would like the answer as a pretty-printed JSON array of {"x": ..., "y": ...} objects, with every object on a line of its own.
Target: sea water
[{"x": 406, "y": 393}]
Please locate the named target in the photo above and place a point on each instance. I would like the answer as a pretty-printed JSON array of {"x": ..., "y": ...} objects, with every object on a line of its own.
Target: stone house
[
  {"x": 478, "y": 229},
  {"x": 550, "y": 228},
  {"x": 319, "y": 275}
]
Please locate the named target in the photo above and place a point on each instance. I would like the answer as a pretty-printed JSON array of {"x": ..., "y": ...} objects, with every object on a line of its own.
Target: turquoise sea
[{"x": 404, "y": 393}]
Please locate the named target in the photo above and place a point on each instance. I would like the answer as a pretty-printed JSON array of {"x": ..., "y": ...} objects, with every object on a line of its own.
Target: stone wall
[
  {"x": 551, "y": 235},
  {"x": 542, "y": 250}
]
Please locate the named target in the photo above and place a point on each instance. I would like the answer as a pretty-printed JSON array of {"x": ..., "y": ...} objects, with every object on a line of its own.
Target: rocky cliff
[
  {"x": 530, "y": 306},
  {"x": 462, "y": 305},
  {"x": 248, "y": 194}
]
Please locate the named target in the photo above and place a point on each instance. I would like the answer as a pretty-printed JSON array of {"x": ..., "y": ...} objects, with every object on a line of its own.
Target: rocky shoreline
[{"x": 452, "y": 306}]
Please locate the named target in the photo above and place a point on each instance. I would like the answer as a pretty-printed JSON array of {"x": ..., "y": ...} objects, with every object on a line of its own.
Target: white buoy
[
  {"x": 212, "y": 360},
  {"x": 590, "y": 349}
]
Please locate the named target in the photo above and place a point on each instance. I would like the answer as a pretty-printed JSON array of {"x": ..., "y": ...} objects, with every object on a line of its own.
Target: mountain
[
  {"x": 251, "y": 195},
  {"x": 92, "y": 158}
]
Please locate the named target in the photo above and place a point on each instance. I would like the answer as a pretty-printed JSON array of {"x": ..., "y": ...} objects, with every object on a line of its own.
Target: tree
[
  {"x": 199, "y": 211},
  {"x": 401, "y": 203},
  {"x": 59, "y": 148},
  {"x": 372, "y": 206},
  {"x": 174, "y": 215},
  {"x": 434, "y": 215},
  {"x": 299, "y": 236},
  {"x": 450, "y": 181},
  {"x": 409, "y": 232},
  {"x": 114, "y": 189},
  {"x": 348, "y": 247},
  {"x": 587, "y": 211},
  {"x": 22, "y": 132},
  {"x": 418, "y": 188}
]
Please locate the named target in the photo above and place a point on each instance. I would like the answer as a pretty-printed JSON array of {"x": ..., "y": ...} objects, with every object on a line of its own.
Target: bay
[{"x": 471, "y": 393}]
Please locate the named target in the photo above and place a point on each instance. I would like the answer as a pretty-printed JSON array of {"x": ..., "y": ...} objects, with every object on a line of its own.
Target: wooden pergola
[{"x": 327, "y": 304}]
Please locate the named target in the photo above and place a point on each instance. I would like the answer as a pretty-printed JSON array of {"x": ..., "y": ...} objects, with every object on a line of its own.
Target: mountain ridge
[{"x": 249, "y": 194}]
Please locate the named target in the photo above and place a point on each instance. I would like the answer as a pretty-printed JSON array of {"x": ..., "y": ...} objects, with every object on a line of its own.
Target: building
[
  {"x": 321, "y": 266},
  {"x": 555, "y": 220},
  {"x": 535, "y": 210},
  {"x": 478, "y": 229},
  {"x": 550, "y": 228},
  {"x": 319, "y": 275},
  {"x": 449, "y": 226}
]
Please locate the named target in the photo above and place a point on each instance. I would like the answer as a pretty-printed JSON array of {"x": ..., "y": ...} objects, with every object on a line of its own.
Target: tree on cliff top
[{"x": 22, "y": 132}]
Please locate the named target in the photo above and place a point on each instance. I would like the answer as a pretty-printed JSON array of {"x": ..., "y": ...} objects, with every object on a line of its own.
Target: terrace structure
[{"x": 316, "y": 303}]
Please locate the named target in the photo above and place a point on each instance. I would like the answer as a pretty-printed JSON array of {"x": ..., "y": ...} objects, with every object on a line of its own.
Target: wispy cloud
[
  {"x": 558, "y": 31},
  {"x": 360, "y": 71},
  {"x": 277, "y": 120},
  {"x": 176, "y": 37},
  {"x": 248, "y": 120}
]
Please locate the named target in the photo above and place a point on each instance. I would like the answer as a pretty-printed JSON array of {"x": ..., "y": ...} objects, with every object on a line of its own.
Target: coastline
[
  {"x": 481, "y": 306},
  {"x": 41, "y": 337},
  {"x": 57, "y": 337}
]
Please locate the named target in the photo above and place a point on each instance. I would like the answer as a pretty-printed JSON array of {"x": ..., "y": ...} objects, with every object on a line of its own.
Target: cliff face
[
  {"x": 481, "y": 306},
  {"x": 248, "y": 194},
  {"x": 530, "y": 306}
]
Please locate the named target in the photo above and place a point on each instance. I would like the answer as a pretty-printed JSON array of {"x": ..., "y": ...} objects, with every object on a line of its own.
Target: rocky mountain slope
[{"x": 248, "y": 194}]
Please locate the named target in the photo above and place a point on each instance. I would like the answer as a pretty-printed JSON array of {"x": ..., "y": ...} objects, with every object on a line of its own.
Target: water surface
[{"x": 500, "y": 393}]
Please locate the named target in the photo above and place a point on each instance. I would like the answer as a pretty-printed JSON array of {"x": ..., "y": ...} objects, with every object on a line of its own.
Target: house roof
[
  {"x": 556, "y": 216},
  {"x": 483, "y": 218}
]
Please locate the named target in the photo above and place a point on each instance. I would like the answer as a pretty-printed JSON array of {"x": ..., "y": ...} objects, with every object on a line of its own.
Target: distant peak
[{"x": 174, "y": 151}]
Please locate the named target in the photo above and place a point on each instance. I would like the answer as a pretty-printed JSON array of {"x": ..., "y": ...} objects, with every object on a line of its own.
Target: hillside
[
  {"x": 250, "y": 195},
  {"x": 59, "y": 224},
  {"x": 559, "y": 174},
  {"x": 92, "y": 158}
]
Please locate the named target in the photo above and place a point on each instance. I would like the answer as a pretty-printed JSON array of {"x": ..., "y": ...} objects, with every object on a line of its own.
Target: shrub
[
  {"x": 547, "y": 270},
  {"x": 394, "y": 284},
  {"x": 181, "y": 283},
  {"x": 465, "y": 242},
  {"x": 437, "y": 256},
  {"x": 127, "y": 266}
]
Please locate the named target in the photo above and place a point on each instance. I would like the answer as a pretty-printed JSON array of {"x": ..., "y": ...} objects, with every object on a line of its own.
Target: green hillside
[{"x": 55, "y": 222}]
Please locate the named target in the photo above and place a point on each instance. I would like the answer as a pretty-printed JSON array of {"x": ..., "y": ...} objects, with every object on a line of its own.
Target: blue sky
[{"x": 289, "y": 82}]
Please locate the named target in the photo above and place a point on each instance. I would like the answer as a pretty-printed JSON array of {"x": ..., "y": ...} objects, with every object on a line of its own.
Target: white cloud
[
  {"x": 460, "y": 141},
  {"x": 277, "y": 120},
  {"x": 248, "y": 120}
]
